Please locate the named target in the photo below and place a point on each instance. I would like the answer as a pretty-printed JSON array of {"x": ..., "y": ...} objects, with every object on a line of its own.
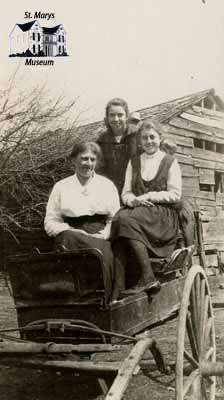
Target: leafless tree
[{"x": 36, "y": 133}]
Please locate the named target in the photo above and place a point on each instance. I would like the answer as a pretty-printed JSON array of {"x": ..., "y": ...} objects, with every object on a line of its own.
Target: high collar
[
  {"x": 87, "y": 183},
  {"x": 154, "y": 156},
  {"x": 112, "y": 137}
]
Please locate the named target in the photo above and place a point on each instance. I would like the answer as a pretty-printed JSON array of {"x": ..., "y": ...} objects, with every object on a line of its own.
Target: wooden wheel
[{"x": 195, "y": 339}]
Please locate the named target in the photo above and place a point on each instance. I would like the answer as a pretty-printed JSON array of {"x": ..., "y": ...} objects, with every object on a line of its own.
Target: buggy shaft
[
  {"x": 53, "y": 348},
  {"x": 212, "y": 369}
]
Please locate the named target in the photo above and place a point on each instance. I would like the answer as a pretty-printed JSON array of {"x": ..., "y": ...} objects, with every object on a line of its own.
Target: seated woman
[
  {"x": 80, "y": 208},
  {"x": 149, "y": 222}
]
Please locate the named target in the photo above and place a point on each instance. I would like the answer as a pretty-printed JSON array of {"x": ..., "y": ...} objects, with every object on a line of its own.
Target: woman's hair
[
  {"x": 166, "y": 145},
  {"x": 116, "y": 102},
  {"x": 149, "y": 124},
  {"x": 82, "y": 147}
]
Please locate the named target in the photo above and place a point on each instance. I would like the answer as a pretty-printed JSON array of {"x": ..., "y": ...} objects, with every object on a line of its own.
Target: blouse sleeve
[
  {"x": 114, "y": 201},
  {"x": 127, "y": 193},
  {"x": 174, "y": 187},
  {"x": 53, "y": 222}
]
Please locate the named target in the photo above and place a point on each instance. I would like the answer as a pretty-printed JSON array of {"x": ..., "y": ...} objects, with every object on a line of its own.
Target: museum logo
[{"x": 32, "y": 40}]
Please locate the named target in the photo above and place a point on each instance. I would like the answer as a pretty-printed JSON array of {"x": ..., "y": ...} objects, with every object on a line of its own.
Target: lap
[
  {"x": 157, "y": 227},
  {"x": 75, "y": 240}
]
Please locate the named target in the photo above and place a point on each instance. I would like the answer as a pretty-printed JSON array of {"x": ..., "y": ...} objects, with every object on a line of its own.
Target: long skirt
[
  {"x": 157, "y": 227},
  {"x": 74, "y": 240}
]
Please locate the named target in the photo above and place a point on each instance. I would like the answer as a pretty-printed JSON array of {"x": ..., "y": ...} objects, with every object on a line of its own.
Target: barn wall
[{"x": 200, "y": 167}]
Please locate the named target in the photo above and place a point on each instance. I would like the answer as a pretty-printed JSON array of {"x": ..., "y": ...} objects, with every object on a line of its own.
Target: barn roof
[{"x": 163, "y": 112}]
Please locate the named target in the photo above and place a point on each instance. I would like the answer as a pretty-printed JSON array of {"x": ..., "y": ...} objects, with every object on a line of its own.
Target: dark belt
[
  {"x": 89, "y": 223},
  {"x": 85, "y": 218}
]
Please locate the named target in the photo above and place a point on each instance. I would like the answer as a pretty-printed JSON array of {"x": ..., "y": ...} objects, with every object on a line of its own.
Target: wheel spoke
[
  {"x": 190, "y": 380},
  {"x": 202, "y": 306},
  {"x": 204, "y": 317},
  {"x": 198, "y": 295},
  {"x": 192, "y": 338},
  {"x": 209, "y": 353},
  {"x": 194, "y": 314},
  {"x": 208, "y": 329},
  {"x": 196, "y": 339},
  {"x": 191, "y": 360},
  {"x": 204, "y": 391}
]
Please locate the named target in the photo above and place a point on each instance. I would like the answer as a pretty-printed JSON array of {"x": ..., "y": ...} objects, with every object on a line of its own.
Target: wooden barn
[{"x": 196, "y": 124}]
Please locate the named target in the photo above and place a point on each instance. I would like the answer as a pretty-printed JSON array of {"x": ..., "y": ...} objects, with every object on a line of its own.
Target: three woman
[{"x": 81, "y": 207}]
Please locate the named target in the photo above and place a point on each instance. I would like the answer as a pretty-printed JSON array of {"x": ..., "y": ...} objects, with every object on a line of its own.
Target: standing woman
[
  {"x": 80, "y": 208},
  {"x": 149, "y": 222},
  {"x": 118, "y": 143}
]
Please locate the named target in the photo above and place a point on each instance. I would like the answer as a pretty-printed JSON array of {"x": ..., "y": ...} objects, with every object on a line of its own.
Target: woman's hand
[
  {"x": 144, "y": 200},
  {"x": 101, "y": 235},
  {"x": 79, "y": 231},
  {"x": 139, "y": 201}
]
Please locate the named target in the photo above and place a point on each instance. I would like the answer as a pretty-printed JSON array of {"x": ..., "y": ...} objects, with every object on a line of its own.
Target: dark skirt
[
  {"x": 157, "y": 227},
  {"x": 74, "y": 240}
]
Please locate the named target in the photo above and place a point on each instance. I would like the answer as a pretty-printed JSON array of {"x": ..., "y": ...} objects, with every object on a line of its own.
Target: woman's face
[
  {"x": 150, "y": 140},
  {"x": 117, "y": 119},
  {"x": 85, "y": 164}
]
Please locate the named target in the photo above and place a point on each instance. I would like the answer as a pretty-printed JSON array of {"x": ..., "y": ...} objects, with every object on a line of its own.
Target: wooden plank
[
  {"x": 207, "y": 202},
  {"x": 191, "y": 193},
  {"x": 80, "y": 366},
  {"x": 191, "y": 133},
  {"x": 204, "y": 120},
  {"x": 200, "y": 163},
  {"x": 184, "y": 159},
  {"x": 180, "y": 140},
  {"x": 184, "y": 150},
  {"x": 196, "y": 127},
  {"x": 208, "y": 208},
  {"x": 191, "y": 182},
  {"x": 220, "y": 199},
  {"x": 187, "y": 169},
  {"x": 213, "y": 231},
  {"x": 204, "y": 195},
  {"x": 207, "y": 155},
  {"x": 207, "y": 111},
  {"x": 127, "y": 368},
  {"x": 206, "y": 176},
  {"x": 218, "y": 245},
  {"x": 219, "y": 167}
]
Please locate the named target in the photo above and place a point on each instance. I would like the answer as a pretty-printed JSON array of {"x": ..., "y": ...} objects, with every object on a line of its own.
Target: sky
[{"x": 145, "y": 51}]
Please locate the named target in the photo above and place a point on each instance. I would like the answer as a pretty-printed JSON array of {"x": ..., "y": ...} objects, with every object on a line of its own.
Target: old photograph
[{"x": 112, "y": 200}]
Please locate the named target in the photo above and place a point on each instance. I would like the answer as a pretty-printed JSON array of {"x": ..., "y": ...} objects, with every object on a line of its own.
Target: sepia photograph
[{"x": 112, "y": 200}]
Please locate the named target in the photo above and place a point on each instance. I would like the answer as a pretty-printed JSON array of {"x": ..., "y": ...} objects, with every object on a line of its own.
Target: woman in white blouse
[
  {"x": 149, "y": 222},
  {"x": 80, "y": 208}
]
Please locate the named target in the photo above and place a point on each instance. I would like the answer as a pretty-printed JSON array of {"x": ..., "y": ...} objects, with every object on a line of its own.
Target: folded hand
[
  {"x": 79, "y": 231},
  {"x": 140, "y": 201}
]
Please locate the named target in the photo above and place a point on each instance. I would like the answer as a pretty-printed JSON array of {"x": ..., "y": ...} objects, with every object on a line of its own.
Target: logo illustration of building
[{"x": 32, "y": 40}]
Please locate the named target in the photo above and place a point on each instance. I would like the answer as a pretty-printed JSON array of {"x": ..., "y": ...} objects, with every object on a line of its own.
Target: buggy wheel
[{"x": 195, "y": 339}]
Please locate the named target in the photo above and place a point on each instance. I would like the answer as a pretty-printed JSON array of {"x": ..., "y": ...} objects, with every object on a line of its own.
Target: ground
[{"x": 23, "y": 384}]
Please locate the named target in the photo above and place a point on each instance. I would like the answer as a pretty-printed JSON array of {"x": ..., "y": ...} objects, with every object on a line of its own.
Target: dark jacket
[{"x": 116, "y": 156}]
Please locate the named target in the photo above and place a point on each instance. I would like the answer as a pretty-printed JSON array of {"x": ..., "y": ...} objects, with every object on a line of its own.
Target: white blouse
[
  {"x": 71, "y": 199},
  {"x": 149, "y": 167}
]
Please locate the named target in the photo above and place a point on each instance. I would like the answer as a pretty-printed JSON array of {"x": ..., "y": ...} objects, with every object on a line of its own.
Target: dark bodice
[
  {"x": 116, "y": 156},
  {"x": 157, "y": 184}
]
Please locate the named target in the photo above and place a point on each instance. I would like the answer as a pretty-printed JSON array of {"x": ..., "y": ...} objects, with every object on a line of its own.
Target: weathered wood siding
[{"x": 205, "y": 128}]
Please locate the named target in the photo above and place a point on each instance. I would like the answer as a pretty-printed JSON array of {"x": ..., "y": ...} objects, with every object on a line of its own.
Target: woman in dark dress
[
  {"x": 148, "y": 224},
  {"x": 118, "y": 142},
  {"x": 80, "y": 208}
]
